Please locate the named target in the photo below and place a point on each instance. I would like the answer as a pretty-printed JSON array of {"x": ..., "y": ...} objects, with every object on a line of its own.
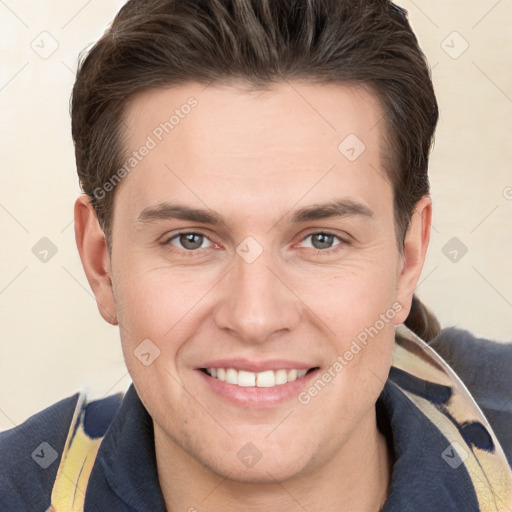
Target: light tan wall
[{"x": 53, "y": 340}]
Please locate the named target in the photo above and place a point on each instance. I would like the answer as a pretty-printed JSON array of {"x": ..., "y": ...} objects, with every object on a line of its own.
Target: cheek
[
  {"x": 358, "y": 310},
  {"x": 157, "y": 301},
  {"x": 155, "y": 308},
  {"x": 157, "y": 313},
  {"x": 351, "y": 298}
]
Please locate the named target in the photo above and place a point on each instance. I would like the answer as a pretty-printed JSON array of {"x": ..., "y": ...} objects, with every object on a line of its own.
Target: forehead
[
  {"x": 210, "y": 138},
  {"x": 225, "y": 113}
]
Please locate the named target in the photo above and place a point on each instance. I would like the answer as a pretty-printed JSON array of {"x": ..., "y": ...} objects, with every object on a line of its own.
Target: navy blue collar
[
  {"x": 125, "y": 479},
  {"x": 422, "y": 481}
]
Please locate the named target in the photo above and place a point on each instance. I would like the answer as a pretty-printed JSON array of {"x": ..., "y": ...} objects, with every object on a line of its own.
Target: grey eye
[
  {"x": 190, "y": 241},
  {"x": 321, "y": 240}
]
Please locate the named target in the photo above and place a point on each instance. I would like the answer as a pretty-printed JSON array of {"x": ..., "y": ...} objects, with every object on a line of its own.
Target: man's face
[{"x": 263, "y": 290}]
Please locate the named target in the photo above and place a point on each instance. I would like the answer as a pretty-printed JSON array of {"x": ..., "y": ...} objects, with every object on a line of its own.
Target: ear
[
  {"x": 93, "y": 250},
  {"x": 415, "y": 249}
]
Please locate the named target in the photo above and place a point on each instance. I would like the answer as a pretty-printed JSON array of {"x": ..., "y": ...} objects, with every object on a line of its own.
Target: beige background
[{"x": 53, "y": 340}]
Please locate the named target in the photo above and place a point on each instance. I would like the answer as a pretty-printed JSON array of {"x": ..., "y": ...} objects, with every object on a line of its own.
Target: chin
[{"x": 263, "y": 472}]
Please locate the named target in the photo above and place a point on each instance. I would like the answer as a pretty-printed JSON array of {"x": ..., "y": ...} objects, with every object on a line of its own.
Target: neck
[{"x": 356, "y": 479}]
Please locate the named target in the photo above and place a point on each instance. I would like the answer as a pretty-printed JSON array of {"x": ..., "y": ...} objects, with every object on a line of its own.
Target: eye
[
  {"x": 189, "y": 241},
  {"x": 323, "y": 241},
  {"x": 194, "y": 242}
]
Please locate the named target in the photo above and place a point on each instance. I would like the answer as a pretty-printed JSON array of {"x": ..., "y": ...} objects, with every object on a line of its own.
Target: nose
[{"x": 256, "y": 300}]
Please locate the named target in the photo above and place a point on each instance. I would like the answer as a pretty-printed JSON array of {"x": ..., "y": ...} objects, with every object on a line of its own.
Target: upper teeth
[{"x": 265, "y": 379}]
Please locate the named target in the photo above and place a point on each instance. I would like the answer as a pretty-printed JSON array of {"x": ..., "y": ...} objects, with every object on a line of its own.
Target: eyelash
[{"x": 199, "y": 252}]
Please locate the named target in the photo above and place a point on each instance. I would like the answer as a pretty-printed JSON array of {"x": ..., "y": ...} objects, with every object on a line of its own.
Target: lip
[
  {"x": 257, "y": 366},
  {"x": 254, "y": 397}
]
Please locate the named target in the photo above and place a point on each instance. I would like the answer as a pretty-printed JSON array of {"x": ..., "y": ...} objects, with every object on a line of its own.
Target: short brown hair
[{"x": 160, "y": 43}]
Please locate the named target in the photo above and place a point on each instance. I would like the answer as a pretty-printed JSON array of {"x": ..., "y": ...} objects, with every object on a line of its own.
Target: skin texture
[{"x": 255, "y": 158}]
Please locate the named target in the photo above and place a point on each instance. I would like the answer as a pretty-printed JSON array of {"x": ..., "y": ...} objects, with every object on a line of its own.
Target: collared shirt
[{"x": 124, "y": 477}]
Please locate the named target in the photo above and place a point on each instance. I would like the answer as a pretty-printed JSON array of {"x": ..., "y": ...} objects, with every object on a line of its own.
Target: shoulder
[
  {"x": 485, "y": 367},
  {"x": 481, "y": 362},
  {"x": 30, "y": 455}
]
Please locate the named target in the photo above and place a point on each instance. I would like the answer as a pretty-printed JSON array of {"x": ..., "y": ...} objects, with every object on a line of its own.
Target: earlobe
[
  {"x": 92, "y": 247},
  {"x": 415, "y": 249}
]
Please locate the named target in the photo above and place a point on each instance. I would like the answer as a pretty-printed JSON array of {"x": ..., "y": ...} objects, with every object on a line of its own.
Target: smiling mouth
[{"x": 265, "y": 379}]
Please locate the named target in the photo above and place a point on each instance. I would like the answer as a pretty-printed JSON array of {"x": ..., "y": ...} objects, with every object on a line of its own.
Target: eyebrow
[{"x": 339, "y": 208}]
